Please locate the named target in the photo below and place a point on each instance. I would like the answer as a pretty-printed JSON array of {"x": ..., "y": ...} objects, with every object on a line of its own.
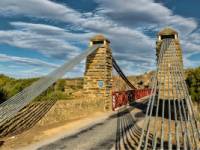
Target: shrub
[
  {"x": 3, "y": 95},
  {"x": 193, "y": 82}
]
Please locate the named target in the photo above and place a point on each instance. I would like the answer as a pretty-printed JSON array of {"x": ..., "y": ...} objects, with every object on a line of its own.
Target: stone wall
[
  {"x": 71, "y": 109},
  {"x": 47, "y": 113}
]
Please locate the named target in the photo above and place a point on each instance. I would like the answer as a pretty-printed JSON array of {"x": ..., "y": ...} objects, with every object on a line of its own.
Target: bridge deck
[{"x": 117, "y": 131}]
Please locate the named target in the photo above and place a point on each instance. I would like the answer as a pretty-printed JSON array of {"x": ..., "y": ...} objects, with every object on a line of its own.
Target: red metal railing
[
  {"x": 121, "y": 98},
  {"x": 140, "y": 93}
]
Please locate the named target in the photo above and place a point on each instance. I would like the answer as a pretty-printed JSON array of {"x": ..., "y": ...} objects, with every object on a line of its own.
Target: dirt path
[{"x": 38, "y": 136}]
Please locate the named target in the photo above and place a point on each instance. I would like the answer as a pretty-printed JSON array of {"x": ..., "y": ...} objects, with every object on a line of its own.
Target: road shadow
[
  {"x": 128, "y": 134},
  {"x": 140, "y": 105}
]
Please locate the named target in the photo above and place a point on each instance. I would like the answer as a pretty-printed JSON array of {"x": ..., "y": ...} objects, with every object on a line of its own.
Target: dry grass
[{"x": 49, "y": 113}]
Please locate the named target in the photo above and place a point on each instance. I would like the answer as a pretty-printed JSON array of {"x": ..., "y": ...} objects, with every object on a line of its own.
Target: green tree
[
  {"x": 3, "y": 95},
  {"x": 60, "y": 85},
  {"x": 193, "y": 82}
]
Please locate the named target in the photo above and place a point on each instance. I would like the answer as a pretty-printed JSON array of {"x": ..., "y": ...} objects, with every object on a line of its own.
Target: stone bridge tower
[
  {"x": 98, "y": 72},
  {"x": 167, "y": 71}
]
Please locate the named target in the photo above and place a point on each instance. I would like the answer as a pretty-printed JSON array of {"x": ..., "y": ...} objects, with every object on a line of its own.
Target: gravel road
[{"x": 117, "y": 132}]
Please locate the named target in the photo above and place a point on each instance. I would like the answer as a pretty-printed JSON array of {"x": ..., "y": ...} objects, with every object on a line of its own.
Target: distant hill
[
  {"x": 143, "y": 80},
  {"x": 192, "y": 77},
  {"x": 72, "y": 88}
]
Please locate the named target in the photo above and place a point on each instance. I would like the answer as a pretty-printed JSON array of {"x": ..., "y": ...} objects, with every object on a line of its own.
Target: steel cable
[
  {"x": 187, "y": 116},
  {"x": 153, "y": 93},
  {"x": 119, "y": 71},
  {"x": 10, "y": 107}
]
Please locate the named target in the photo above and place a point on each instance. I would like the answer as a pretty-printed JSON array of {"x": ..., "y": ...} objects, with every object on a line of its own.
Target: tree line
[
  {"x": 193, "y": 83},
  {"x": 10, "y": 86}
]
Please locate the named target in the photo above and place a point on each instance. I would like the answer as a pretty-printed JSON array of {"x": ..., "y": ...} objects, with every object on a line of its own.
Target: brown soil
[{"x": 38, "y": 134}]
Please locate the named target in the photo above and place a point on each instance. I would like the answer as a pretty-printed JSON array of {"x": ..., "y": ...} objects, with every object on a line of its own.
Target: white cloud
[
  {"x": 26, "y": 61},
  {"x": 134, "y": 12},
  {"x": 127, "y": 12},
  {"x": 52, "y": 10},
  {"x": 52, "y": 31},
  {"x": 48, "y": 40},
  {"x": 39, "y": 8},
  {"x": 44, "y": 44},
  {"x": 119, "y": 20},
  {"x": 188, "y": 63}
]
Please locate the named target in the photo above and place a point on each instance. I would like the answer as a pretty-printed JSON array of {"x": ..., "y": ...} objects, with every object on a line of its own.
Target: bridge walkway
[
  {"x": 114, "y": 130},
  {"x": 119, "y": 131}
]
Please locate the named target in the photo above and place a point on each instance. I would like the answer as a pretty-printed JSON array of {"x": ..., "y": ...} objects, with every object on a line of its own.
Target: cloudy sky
[{"x": 37, "y": 36}]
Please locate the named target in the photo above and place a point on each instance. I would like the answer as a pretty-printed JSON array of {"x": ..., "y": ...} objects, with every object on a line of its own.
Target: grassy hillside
[
  {"x": 143, "y": 80},
  {"x": 62, "y": 89},
  {"x": 192, "y": 76},
  {"x": 72, "y": 88}
]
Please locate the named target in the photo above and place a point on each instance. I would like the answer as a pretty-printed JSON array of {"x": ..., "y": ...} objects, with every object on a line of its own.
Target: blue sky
[{"x": 37, "y": 36}]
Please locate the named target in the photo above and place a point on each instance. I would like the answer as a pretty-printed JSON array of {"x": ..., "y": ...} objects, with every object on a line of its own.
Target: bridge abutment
[{"x": 98, "y": 72}]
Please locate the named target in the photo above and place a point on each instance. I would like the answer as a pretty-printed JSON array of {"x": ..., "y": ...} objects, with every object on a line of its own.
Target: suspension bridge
[{"x": 169, "y": 122}]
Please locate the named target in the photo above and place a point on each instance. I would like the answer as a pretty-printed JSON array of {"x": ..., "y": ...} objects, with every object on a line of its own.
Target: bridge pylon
[
  {"x": 98, "y": 72},
  {"x": 167, "y": 63},
  {"x": 170, "y": 121}
]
